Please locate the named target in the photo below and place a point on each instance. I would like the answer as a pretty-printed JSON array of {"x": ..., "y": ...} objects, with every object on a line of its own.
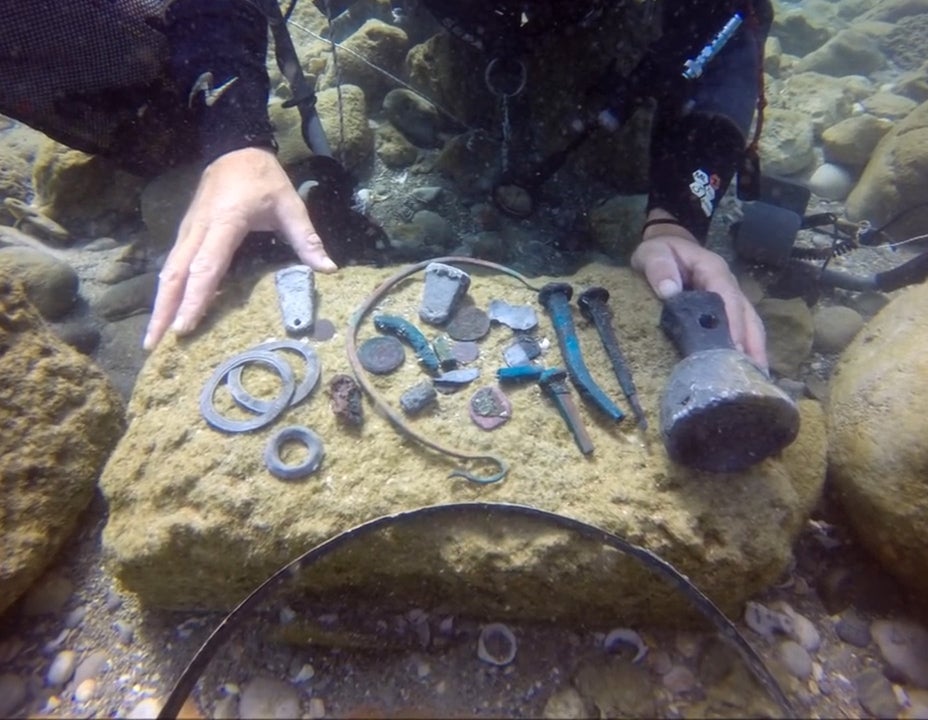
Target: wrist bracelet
[{"x": 663, "y": 221}]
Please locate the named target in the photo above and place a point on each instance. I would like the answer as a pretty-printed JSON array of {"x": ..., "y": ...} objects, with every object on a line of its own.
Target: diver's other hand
[
  {"x": 242, "y": 191},
  {"x": 671, "y": 262}
]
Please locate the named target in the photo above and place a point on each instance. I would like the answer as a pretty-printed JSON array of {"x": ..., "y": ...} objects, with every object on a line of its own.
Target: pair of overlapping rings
[{"x": 265, "y": 411}]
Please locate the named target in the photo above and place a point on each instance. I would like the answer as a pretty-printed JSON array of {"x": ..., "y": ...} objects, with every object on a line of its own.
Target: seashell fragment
[
  {"x": 625, "y": 636},
  {"x": 496, "y": 645}
]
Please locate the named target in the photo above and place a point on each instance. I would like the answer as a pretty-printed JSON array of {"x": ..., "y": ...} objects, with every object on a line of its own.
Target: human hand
[
  {"x": 242, "y": 191},
  {"x": 671, "y": 262}
]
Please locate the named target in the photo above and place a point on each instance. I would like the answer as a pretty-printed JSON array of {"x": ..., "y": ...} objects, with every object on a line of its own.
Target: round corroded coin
[
  {"x": 489, "y": 408},
  {"x": 469, "y": 323},
  {"x": 381, "y": 355}
]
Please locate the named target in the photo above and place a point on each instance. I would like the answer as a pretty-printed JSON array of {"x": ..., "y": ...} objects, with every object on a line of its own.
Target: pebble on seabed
[{"x": 62, "y": 668}]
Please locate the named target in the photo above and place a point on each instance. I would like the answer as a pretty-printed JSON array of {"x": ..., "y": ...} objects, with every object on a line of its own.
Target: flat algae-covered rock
[
  {"x": 878, "y": 457},
  {"x": 196, "y": 521},
  {"x": 60, "y": 418}
]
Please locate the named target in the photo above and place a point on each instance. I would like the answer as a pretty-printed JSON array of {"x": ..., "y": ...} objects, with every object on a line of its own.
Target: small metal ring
[
  {"x": 277, "y": 406},
  {"x": 310, "y": 378},
  {"x": 523, "y": 76},
  {"x": 313, "y": 444}
]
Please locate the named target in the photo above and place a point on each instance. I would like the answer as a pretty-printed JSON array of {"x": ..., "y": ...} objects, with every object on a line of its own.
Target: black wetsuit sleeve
[
  {"x": 700, "y": 130},
  {"x": 227, "y": 38}
]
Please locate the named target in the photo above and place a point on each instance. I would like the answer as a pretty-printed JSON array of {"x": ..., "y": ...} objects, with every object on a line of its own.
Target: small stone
[
  {"x": 12, "y": 693},
  {"x": 426, "y": 195},
  {"x": 269, "y": 698},
  {"x": 795, "y": 658},
  {"x": 904, "y": 645},
  {"x": 469, "y": 323},
  {"x": 113, "y": 600},
  {"x": 62, "y": 668},
  {"x": 418, "y": 397},
  {"x": 831, "y": 182},
  {"x": 94, "y": 665},
  {"x": 490, "y": 408},
  {"x": 566, "y": 704},
  {"x": 765, "y": 621},
  {"x": 659, "y": 661},
  {"x": 799, "y": 628},
  {"x": 517, "y": 317},
  {"x": 445, "y": 286},
  {"x": 853, "y": 629},
  {"x": 226, "y": 708},
  {"x": 316, "y": 708},
  {"x": 875, "y": 694},
  {"x": 75, "y": 617},
  {"x": 56, "y": 642},
  {"x": 116, "y": 272},
  {"x": 381, "y": 355},
  {"x": 306, "y": 672},
  {"x": 147, "y": 709},
  {"x": 48, "y": 596},
  {"x": 679, "y": 679},
  {"x": 514, "y": 200},
  {"x": 124, "y": 631},
  {"x": 85, "y": 691}
]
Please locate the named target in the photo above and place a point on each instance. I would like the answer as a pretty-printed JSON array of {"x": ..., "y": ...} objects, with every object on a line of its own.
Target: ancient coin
[
  {"x": 381, "y": 355},
  {"x": 489, "y": 408},
  {"x": 469, "y": 323}
]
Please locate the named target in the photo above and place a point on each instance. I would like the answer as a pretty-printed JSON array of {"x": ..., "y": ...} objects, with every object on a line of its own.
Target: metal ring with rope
[{"x": 522, "y": 78}]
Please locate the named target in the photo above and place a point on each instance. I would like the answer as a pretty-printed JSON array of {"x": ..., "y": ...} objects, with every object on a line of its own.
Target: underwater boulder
[
  {"x": 60, "y": 417},
  {"x": 893, "y": 181},
  {"x": 877, "y": 454}
]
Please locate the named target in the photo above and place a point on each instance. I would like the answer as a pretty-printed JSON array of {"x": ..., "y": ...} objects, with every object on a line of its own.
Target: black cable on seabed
[{"x": 668, "y": 572}]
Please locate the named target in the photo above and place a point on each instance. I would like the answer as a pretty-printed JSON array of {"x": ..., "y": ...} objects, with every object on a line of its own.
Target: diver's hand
[
  {"x": 239, "y": 192},
  {"x": 671, "y": 259}
]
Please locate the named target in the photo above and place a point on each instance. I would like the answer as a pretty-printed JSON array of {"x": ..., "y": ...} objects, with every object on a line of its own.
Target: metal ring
[
  {"x": 313, "y": 444},
  {"x": 280, "y": 403},
  {"x": 523, "y": 76},
  {"x": 310, "y": 378}
]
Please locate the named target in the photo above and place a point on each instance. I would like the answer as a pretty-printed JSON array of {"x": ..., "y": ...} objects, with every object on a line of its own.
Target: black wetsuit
[
  {"x": 75, "y": 71},
  {"x": 700, "y": 129}
]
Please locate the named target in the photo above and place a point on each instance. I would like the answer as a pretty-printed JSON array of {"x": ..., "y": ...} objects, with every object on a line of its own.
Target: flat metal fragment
[
  {"x": 418, "y": 397},
  {"x": 445, "y": 286},
  {"x": 518, "y": 317},
  {"x": 465, "y": 352},
  {"x": 296, "y": 293},
  {"x": 454, "y": 380}
]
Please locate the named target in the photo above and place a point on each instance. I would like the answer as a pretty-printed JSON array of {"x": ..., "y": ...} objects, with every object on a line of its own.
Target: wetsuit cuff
[
  {"x": 693, "y": 160},
  {"x": 228, "y": 40}
]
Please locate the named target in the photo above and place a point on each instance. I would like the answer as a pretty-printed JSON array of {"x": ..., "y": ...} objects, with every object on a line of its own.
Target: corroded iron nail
[
  {"x": 592, "y": 303},
  {"x": 556, "y": 299},
  {"x": 553, "y": 383}
]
